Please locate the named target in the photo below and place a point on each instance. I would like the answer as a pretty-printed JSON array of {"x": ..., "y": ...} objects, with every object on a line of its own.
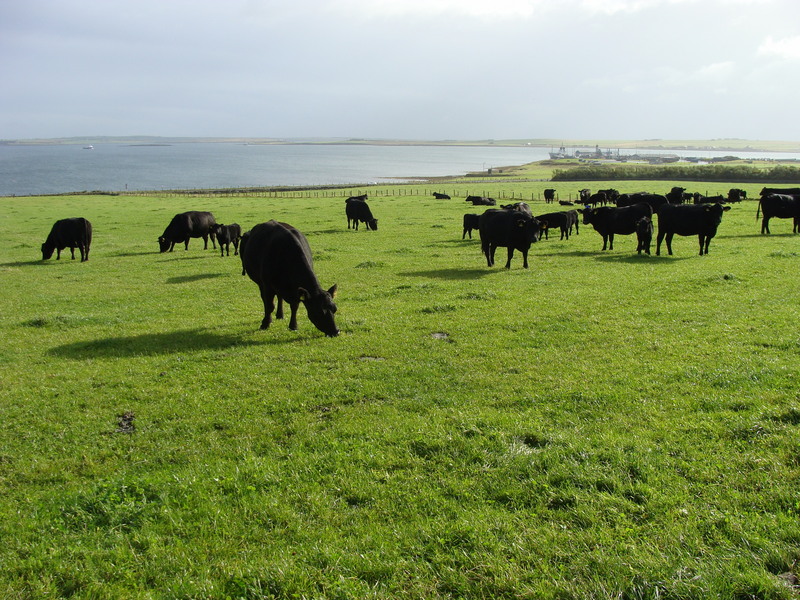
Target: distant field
[{"x": 602, "y": 425}]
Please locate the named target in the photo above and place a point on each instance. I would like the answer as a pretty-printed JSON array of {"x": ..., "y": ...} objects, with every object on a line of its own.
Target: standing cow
[
  {"x": 184, "y": 226},
  {"x": 277, "y": 258},
  {"x": 561, "y": 220},
  {"x": 701, "y": 220},
  {"x": 609, "y": 220},
  {"x": 68, "y": 233},
  {"x": 510, "y": 228},
  {"x": 227, "y": 235},
  {"x": 549, "y": 195},
  {"x": 358, "y": 211},
  {"x": 781, "y": 206}
]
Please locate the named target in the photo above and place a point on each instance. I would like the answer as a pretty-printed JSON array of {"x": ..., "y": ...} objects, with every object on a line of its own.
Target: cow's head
[
  {"x": 372, "y": 224},
  {"x": 588, "y": 213},
  {"x": 47, "y": 250},
  {"x": 163, "y": 244},
  {"x": 321, "y": 309}
]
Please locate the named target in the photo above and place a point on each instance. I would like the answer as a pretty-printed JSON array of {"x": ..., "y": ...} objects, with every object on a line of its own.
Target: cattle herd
[{"x": 277, "y": 257}]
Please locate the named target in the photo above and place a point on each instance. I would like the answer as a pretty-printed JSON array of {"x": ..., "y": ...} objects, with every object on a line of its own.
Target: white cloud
[
  {"x": 470, "y": 8},
  {"x": 784, "y": 48}
]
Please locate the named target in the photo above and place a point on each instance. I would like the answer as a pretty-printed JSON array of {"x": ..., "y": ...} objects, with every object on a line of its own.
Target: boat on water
[
  {"x": 562, "y": 153},
  {"x": 89, "y": 147}
]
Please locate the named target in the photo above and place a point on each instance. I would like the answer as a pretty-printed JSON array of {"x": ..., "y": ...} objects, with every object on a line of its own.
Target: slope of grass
[{"x": 600, "y": 425}]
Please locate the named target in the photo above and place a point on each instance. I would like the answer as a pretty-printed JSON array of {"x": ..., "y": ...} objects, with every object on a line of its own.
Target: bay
[{"x": 114, "y": 167}]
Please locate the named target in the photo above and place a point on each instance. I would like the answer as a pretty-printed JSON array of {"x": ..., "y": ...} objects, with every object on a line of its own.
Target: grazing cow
[
  {"x": 471, "y": 221},
  {"x": 549, "y": 195},
  {"x": 644, "y": 234},
  {"x": 781, "y": 206},
  {"x": 611, "y": 195},
  {"x": 736, "y": 195},
  {"x": 509, "y": 228},
  {"x": 191, "y": 224},
  {"x": 701, "y": 220},
  {"x": 654, "y": 200},
  {"x": 561, "y": 220},
  {"x": 440, "y": 196},
  {"x": 68, "y": 233},
  {"x": 518, "y": 206},
  {"x": 481, "y": 201},
  {"x": 700, "y": 199},
  {"x": 277, "y": 258},
  {"x": 609, "y": 220},
  {"x": 227, "y": 235},
  {"x": 361, "y": 198},
  {"x": 358, "y": 211}
]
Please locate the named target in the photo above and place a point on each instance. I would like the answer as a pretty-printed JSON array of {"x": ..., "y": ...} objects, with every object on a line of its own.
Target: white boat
[{"x": 89, "y": 147}]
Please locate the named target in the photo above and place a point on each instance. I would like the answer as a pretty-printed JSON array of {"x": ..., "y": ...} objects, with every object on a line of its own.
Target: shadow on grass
[
  {"x": 456, "y": 274},
  {"x": 28, "y": 263},
  {"x": 190, "y": 278},
  {"x": 151, "y": 344},
  {"x": 648, "y": 259}
]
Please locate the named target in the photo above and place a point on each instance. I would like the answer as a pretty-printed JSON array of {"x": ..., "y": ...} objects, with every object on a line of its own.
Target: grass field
[{"x": 602, "y": 425}]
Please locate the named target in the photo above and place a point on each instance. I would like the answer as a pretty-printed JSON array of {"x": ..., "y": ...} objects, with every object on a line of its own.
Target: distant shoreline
[{"x": 718, "y": 145}]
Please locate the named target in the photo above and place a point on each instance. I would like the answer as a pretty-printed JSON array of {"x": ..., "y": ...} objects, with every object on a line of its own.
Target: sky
[{"x": 401, "y": 69}]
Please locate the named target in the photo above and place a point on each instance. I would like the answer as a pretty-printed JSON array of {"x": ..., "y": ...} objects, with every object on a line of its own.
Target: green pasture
[{"x": 601, "y": 425}]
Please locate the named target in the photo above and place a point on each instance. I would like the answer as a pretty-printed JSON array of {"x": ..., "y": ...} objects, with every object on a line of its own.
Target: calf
[
  {"x": 68, "y": 233},
  {"x": 187, "y": 225},
  {"x": 509, "y": 228},
  {"x": 358, "y": 211},
  {"x": 561, "y": 220},
  {"x": 701, "y": 220},
  {"x": 227, "y": 235},
  {"x": 471, "y": 221},
  {"x": 781, "y": 206},
  {"x": 277, "y": 257},
  {"x": 644, "y": 234},
  {"x": 610, "y": 220},
  {"x": 440, "y": 196},
  {"x": 481, "y": 201}
]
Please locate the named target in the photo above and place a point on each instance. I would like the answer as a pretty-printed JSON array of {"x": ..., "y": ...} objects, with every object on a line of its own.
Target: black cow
[
  {"x": 549, "y": 195},
  {"x": 561, "y": 220},
  {"x": 518, "y": 206},
  {"x": 610, "y": 220},
  {"x": 509, "y": 228},
  {"x": 440, "y": 196},
  {"x": 191, "y": 224},
  {"x": 611, "y": 195},
  {"x": 736, "y": 195},
  {"x": 68, "y": 233},
  {"x": 573, "y": 220},
  {"x": 278, "y": 258},
  {"x": 361, "y": 198},
  {"x": 788, "y": 191},
  {"x": 227, "y": 235},
  {"x": 471, "y": 221},
  {"x": 481, "y": 201},
  {"x": 358, "y": 211},
  {"x": 566, "y": 203},
  {"x": 700, "y": 199},
  {"x": 644, "y": 234},
  {"x": 597, "y": 198},
  {"x": 676, "y": 195},
  {"x": 701, "y": 220},
  {"x": 654, "y": 200},
  {"x": 584, "y": 195},
  {"x": 781, "y": 206}
]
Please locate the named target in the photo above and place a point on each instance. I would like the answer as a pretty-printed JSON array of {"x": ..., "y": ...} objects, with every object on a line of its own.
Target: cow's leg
[
  {"x": 510, "y": 254},
  {"x": 765, "y": 224},
  {"x": 236, "y": 247},
  {"x": 658, "y": 242},
  {"x": 293, "y": 317},
  {"x": 213, "y": 237},
  {"x": 796, "y": 228},
  {"x": 669, "y": 242},
  {"x": 72, "y": 251},
  {"x": 268, "y": 297},
  {"x": 82, "y": 250},
  {"x": 490, "y": 256},
  {"x": 279, "y": 312},
  {"x": 58, "y": 253},
  {"x": 524, "y": 258},
  {"x": 205, "y": 243}
]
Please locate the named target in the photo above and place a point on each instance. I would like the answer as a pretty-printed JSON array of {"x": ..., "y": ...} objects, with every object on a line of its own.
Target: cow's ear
[
  {"x": 726, "y": 208},
  {"x": 303, "y": 294},
  {"x": 332, "y": 290},
  {"x": 520, "y": 223}
]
